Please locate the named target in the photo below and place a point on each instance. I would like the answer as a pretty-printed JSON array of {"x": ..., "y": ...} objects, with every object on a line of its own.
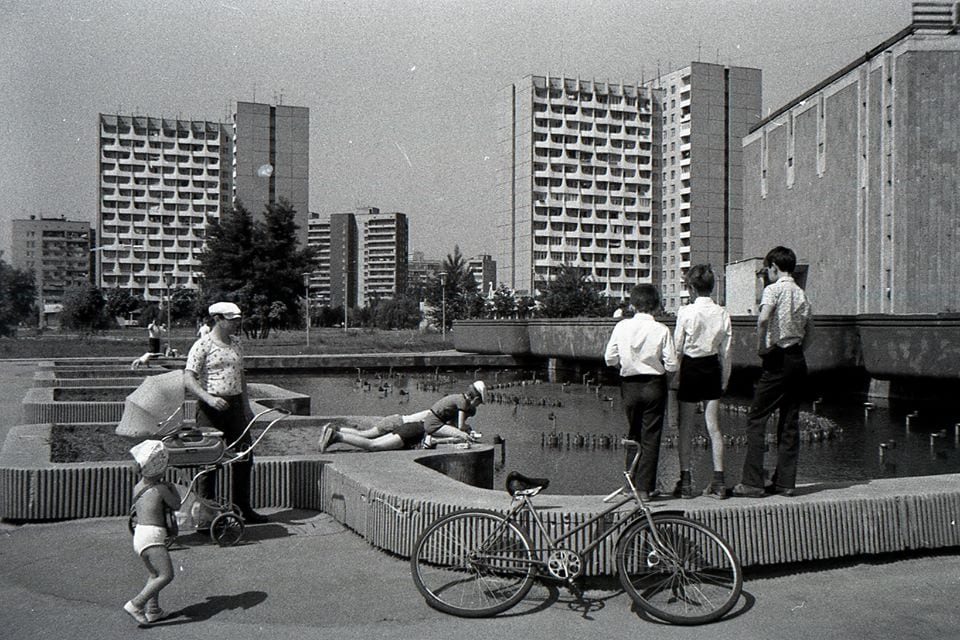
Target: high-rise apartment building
[
  {"x": 706, "y": 110},
  {"x": 161, "y": 182},
  {"x": 271, "y": 146},
  {"x": 363, "y": 253},
  {"x": 631, "y": 183},
  {"x": 386, "y": 237},
  {"x": 484, "y": 270},
  {"x": 56, "y": 250},
  {"x": 576, "y": 182},
  {"x": 858, "y": 175}
]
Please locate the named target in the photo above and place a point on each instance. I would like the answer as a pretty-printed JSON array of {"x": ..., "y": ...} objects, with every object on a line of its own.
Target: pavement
[{"x": 304, "y": 575}]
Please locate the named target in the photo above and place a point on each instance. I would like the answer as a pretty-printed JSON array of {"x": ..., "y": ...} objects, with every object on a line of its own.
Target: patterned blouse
[{"x": 218, "y": 367}]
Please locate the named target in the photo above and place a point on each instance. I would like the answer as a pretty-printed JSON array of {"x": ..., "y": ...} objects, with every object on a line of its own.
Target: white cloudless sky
[{"x": 402, "y": 93}]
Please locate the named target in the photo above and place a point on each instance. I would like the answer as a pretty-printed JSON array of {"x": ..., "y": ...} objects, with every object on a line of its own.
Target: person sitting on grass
[{"x": 445, "y": 422}]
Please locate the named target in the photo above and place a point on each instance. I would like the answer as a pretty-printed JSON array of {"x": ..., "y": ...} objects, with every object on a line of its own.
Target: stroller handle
[{"x": 283, "y": 414}]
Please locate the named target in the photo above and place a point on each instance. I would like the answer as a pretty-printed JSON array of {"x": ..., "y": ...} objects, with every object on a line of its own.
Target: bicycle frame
[{"x": 522, "y": 504}]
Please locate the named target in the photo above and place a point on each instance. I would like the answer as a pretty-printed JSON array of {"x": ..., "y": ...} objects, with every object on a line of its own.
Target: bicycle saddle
[{"x": 517, "y": 482}]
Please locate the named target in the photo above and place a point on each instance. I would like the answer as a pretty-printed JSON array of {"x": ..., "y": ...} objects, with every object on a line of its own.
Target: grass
[{"x": 131, "y": 342}]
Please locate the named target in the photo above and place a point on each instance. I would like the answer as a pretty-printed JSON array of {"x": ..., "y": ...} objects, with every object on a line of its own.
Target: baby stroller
[{"x": 193, "y": 453}]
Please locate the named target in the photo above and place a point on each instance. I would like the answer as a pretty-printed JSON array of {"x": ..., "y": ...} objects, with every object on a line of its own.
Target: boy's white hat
[
  {"x": 151, "y": 456},
  {"x": 481, "y": 389}
]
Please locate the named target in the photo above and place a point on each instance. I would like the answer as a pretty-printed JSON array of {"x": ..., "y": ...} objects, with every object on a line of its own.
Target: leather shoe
[
  {"x": 252, "y": 517},
  {"x": 746, "y": 491}
]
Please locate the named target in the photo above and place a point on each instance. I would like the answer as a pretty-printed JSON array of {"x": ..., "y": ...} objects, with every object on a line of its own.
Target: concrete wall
[{"x": 884, "y": 346}]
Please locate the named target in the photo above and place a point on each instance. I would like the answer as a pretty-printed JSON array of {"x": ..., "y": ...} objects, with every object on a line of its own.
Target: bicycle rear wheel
[
  {"x": 472, "y": 563},
  {"x": 688, "y": 575}
]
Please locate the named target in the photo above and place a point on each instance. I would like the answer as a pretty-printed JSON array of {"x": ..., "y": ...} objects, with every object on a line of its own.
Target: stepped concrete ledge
[{"x": 387, "y": 498}]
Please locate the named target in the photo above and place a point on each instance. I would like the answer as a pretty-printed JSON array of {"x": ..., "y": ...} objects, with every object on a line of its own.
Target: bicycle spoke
[
  {"x": 684, "y": 574},
  {"x": 472, "y": 564}
]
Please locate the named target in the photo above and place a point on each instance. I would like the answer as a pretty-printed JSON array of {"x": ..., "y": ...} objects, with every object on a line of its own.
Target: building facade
[
  {"x": 575, "y": 182},
  {"x": 56, "y": 250},
  {"x": 386, "y": 239},
  {"x": 859, "y": 176},
  {"x": 161, "y": 182},
  {"x": 271, "y": 147},
  {"x": 363, "y": 253},
  {"x": 631, "y": 183},
  {"x": 484, "y": 270},
  {"x": 422, "y": 271},
  {"x": 707, "y": 109}
]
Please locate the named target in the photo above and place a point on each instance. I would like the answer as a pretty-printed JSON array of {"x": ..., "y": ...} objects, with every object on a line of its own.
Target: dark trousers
[
  {"x": 231, "y": 422},
  {"x": 645, "y": 401},
  {"x": 780, "y": 387}
]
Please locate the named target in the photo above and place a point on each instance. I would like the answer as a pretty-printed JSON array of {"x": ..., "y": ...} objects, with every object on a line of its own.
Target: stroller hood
[{"x": 155, "y": 408}]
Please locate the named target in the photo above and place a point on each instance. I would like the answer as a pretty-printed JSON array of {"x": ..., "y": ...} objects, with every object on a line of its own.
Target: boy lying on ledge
[{"x": 445, "y": 422}]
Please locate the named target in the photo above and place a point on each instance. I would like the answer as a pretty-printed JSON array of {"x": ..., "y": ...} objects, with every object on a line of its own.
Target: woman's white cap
[{"x": 226, "y": 309}]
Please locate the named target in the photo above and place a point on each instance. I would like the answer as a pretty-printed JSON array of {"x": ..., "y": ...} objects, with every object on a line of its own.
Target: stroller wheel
[{"x": 226, "y": 529}]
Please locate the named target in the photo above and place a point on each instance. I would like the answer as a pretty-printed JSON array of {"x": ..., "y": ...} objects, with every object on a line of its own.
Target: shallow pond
[{"x": 852, "y": 445}]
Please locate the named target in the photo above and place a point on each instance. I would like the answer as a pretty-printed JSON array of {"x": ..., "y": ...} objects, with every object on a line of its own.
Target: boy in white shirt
[
  {"x": 644, "y": 351},
  {"x": 703, "y": 337}
]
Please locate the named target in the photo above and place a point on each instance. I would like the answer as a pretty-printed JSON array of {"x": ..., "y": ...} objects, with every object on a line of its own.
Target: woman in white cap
[{"x": 214, "y": 373}]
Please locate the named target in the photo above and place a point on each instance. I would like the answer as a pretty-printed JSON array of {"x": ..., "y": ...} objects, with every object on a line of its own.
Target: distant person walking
[
  {"x": 643, "y": 349},
  {"x": 154, "y": 333},
  {"x": 784, "y": 327}
]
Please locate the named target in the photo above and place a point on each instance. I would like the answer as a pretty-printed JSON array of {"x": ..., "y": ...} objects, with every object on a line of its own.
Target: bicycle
[{"x": 477, "y": 562}]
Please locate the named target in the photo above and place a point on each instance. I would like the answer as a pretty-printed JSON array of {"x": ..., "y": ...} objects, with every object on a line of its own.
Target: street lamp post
[
  {"x": 443, "y": 305},
  {"x": 306, "y": 303}
]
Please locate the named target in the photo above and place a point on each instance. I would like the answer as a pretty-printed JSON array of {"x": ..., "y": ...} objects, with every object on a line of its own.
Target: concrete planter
[{"x": 509, "y": 337}]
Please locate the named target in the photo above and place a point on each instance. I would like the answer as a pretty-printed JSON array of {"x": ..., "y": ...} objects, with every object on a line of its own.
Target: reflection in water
[{"x": 570, "y": 432}]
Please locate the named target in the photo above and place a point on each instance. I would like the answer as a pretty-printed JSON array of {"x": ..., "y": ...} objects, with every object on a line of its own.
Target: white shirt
[
  {"x": 641, "y": 346},
  {"x": 703, "y": 329}
]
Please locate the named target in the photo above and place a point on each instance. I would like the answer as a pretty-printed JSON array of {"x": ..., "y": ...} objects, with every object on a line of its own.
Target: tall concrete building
[
  {"x": 271, "y": 146},
  {"x": 484, "y": 270},
  {"x": 386, "y": 238},
  {"x": 161, "y": 182},
  {"x": 632, "y": 183},
  {"x": 363, "y": 253},
  {"x": 56, "y": 250},
  {"x": 707, "y": 109},
  {"x": 575, "y": 181},
  {"x": 859, "y": 176}
]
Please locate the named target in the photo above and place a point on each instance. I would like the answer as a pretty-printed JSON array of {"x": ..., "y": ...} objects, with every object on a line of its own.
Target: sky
[{"x": 402, "y": 93}]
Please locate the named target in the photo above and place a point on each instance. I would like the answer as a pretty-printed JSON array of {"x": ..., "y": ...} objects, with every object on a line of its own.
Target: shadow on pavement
[{"x": 213, "y": 605}]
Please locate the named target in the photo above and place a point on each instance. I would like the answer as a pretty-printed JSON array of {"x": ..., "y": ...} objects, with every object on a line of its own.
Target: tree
[
  {"x": 570, "y": 294},
  {"x": 84, "y": 308},
  {"x": 504, "y": 302},
  {"x": 454, "y": 290},
  {"x": 18, "y": 294},
  {"x": 185, "y": 305},
  {"x": 120, "y": 303},
  {"x": 258, "y": 265},
  {"x": 400, "y": 312}
]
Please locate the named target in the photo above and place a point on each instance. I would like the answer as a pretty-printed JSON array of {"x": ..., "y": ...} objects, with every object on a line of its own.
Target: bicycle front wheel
[
  {"x": 472, "y": 563},
  {"x": 685, "y": 574}
]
